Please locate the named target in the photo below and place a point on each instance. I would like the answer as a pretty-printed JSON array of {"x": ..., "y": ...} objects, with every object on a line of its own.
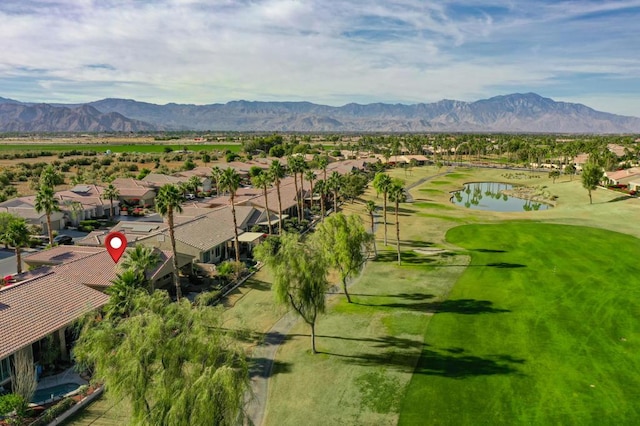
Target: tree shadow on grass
[
  {"x": 433, "y": 362},
  {"x": 257, "y": 285},
  {"x": 504, "y": 265},
  {"x": 454, "y": 306},
  {"x": 266, "y": 367},
  {"x": 406, "y": 256},
  {"x": 416, "y": 243},
  {"x": 622, "y": 198},
  {"x": 485, "y": 250},
  {"x": 408, "y": 296}
]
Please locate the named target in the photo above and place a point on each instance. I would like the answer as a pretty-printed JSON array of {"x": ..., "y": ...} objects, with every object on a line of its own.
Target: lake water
[{"x": 488, "y": 196}]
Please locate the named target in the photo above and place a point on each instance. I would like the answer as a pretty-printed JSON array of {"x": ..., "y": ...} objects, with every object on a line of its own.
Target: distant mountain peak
[{"x": 516, "y": 112}]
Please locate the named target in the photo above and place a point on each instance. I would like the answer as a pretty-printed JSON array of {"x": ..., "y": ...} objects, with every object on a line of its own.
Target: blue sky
[{"x": 325, "y": 51}]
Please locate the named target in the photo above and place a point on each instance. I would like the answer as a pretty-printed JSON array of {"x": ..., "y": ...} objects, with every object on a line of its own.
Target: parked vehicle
[{"x": 63, "y": 240}]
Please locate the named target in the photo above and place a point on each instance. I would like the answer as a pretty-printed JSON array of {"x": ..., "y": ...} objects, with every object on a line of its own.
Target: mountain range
[{"x": 527, "y": 113}]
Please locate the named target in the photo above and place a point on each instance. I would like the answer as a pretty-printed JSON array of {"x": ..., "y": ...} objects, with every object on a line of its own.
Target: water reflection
[{"x": 490, "y": 196}]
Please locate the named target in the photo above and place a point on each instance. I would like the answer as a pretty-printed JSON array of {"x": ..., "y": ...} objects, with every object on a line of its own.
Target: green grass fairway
[
  {"x": 140, "y": 148},
  {"x": 543, "y": 328}
]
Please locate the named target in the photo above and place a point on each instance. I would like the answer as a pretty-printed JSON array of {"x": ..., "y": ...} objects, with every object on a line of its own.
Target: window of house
[
  {"x": 218, "y": 252},
  {"x": 206, "y": 256},
  {"x": 5, "y": 369}
]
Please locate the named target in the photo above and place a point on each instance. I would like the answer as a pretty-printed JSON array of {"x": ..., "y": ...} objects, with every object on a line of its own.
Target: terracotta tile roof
[
  {"x": 619, "y": 174},
  {"x": 287, "y": 195},
  {"x": 212, "y": 229},
  {"x": 61, "y": 254},
  {"x": 157, "y": 179},
  {"x": 33, "y": 309},
  {"x": 95, "y": 269}
]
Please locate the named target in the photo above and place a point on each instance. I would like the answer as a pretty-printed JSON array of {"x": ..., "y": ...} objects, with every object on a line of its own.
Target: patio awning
[
  {"x": 249, "y": 237},
  {"x": 273, "y": 221}
]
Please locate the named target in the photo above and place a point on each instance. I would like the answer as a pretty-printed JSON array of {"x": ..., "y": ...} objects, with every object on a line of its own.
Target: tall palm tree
[
  {"x": 381, "y": 183},
  {"x": 216, "y": 172},
  {"x": 323, "y": 162},
  {"x": 310, "y": 176},
  {"x": 111, "y": 193},
  {"x": 397, "y": 195},
  {"x": 47, "y": 203},
  {"x": 321, "y": 188},
  {"x": 168, "y": 202},
  {"x": 334, "y": 183},
  {"x": 370, "y": 208},
  {"x": 122, "y": 294},
  {"x": 296, "y": 165},
  {"x": 230, "y": 181},
  {"x": 263, "y": 180},
  {"x": 17, "y": 235},
  {"x": 141, "y": 259},
  {"x": 277, "y": 173}
]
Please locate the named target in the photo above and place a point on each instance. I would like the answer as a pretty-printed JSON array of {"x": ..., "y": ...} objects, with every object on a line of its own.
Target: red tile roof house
[
  {"x": 68, "y": 282},
  {"x": 24, "y": 208},
  {"x": 34, "y": 309},
  {"x": 207, "y": 238},
  {"x": 616, "y": 177},
  {"x": 132, "y": 189},
  {"x": 85, "y": 202}
]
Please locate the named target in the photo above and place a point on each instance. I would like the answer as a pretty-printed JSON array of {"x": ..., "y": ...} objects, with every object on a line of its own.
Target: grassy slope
[{"x": 550, "y": 335}]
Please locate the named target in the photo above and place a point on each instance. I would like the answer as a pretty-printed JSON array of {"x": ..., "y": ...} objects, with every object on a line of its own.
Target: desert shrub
[{"x": 12, "y": 402}]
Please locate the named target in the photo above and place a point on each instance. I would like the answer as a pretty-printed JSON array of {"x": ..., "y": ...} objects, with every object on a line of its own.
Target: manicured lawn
[
  {"x": 368, "y": 348},
  {"x": 542, "y": 328}
]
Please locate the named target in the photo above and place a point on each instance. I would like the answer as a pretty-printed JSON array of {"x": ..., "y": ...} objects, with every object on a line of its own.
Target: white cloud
[{"x": 197, "y": 51}]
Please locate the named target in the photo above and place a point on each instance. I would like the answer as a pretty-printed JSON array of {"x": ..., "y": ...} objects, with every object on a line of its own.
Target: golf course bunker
[{"x": 494, "y": 196}]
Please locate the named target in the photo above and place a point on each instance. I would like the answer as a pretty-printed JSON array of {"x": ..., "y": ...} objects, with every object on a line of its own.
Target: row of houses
[{"x": 65, "y": 282}]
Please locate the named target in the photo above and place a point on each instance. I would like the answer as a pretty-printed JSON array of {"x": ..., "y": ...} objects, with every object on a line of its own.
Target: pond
[{"x": 489, "y": 196}]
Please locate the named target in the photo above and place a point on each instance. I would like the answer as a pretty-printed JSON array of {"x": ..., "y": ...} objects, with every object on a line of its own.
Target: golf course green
[{"x": 542, "y": 328}]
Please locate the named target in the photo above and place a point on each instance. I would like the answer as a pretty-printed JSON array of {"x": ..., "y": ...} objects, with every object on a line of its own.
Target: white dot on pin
[{"x": 116, "y": 243}]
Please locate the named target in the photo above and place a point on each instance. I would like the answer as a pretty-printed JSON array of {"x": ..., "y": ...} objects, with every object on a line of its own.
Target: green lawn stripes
[{"x": 542, "y": 328}]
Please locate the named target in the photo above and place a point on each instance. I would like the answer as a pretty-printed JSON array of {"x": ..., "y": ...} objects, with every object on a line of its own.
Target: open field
[{"x": 156, "y": 147}]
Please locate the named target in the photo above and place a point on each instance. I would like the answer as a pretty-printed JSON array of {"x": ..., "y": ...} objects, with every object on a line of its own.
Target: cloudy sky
[{"x": 325, "y": 51}]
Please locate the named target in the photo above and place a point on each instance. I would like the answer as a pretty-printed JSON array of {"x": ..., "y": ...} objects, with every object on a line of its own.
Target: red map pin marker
[{"x": 116, "y": 244}]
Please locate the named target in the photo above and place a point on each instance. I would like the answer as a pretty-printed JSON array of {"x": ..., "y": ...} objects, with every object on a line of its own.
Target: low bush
[{"x": 53, "y": 412}]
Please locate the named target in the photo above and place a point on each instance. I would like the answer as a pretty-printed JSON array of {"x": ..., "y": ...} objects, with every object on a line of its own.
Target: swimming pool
[{"x": 56, "y": 391}]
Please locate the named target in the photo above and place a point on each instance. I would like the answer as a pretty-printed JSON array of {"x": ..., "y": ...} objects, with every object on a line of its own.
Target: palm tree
[
  {"x": 263, "y": 180},
  {"x": 277, "y": 173},
  {"x": 111, "y": 193},
  {"x": 334, "y": 183},
  {"x": 216, "y": 172},
  {"x": 296, "y": 166},
  {"x": 17, "y": 235},
  {"x": 397, "y": 195},
  {"x": 310, "y": 176},
  {"x": 141, "y": 259},
  {"x": 193, "y": 183},
  {"x": 323, "y": 162},
  {"x": 370, "y": 208},
  {"x": 381, "y": 183},
  {"x": 230, "y": 181},
  {"x": 168, "y": 202},
  {"x": 321, "y": 188},
  {"x": 122, "y": 294},
  {"x": 47, "y": 203}
]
